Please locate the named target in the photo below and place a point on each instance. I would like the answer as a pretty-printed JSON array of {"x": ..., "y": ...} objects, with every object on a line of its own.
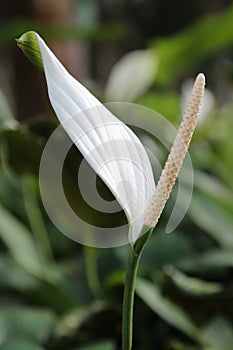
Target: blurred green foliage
[{"x": 56, "y": 294}]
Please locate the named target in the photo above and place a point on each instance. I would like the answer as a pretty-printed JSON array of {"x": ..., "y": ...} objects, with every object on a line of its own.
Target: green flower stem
[
  {"x": 128, "y": 303},
  {"x": 129, "y": 291}
]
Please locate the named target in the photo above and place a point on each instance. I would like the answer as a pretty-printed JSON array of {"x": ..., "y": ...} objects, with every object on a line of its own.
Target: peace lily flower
[
  {"x": 116, "y": 154},
  {"x": 122, "y": 157},
  {"x": 111, "y": 148}
]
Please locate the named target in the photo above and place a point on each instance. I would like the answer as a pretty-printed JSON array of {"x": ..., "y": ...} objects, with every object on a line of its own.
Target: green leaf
[
  {"x": 166, "y": 309},
  {"x": 177, "y": 54},
  {"x": 191, "y": 285},
  {"x": 12, "y": 276},
  {"x": 31, "y": 203},
  {"x": 10, "y": 193},
  {"x": 19, "y": 242},
  {"x": 218, "y": 334},
  {"x": 20, "y": 344},
  {"x": 166, "y": 103},
  {"x": 26, "y": 323},
  {"x": 212, "y": 218},
  {"x": 105, "y": 345},
  {"x": 7, "y": 119},
  {"x": 212, "y": 187},
  {"x": 209, "y": 260},
  {"x": 177, "y": 345},
  {"x": 166, "y": 249}
]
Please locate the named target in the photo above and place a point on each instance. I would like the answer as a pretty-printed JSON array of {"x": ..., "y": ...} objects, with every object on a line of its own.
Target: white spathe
[{"x": 110, "y": 147}]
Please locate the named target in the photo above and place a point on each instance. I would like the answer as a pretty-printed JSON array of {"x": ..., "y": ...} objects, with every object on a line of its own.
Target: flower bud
[{"x": 28, "y": 43}]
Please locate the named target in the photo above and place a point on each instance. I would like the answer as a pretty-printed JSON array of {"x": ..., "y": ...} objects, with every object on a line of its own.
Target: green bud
[{"x": 29, "y": 45}]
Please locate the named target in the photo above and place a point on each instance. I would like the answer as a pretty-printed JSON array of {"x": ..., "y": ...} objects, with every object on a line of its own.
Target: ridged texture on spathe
[
  {"x": 114, "y": 152},
  {"x": 177, "y": 154}
]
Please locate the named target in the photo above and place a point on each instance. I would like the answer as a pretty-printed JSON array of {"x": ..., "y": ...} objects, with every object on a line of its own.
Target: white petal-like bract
[{"x": 110, "y": 147}]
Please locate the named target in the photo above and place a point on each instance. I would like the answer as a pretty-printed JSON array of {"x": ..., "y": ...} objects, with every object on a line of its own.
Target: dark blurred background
[
  {"x": 89, "y": 37},
  {"x": 57, "y": 294}
]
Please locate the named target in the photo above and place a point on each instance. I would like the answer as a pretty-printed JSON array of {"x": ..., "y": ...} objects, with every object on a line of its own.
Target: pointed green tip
[{"x": 28, "y": 43}]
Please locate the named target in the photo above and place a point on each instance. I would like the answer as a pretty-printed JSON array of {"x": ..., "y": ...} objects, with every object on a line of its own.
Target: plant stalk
[{"x": 129, "y": 291}]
